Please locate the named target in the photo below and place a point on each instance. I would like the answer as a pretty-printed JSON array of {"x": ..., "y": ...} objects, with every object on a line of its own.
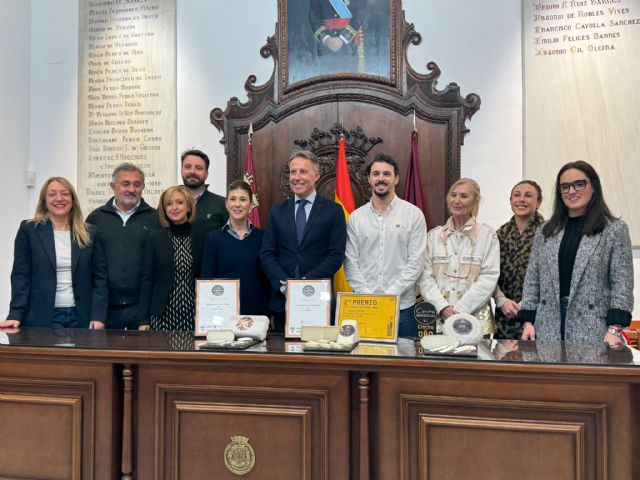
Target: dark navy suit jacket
[
  {"x": 33, "y": 277},
  {"x": 320, "y": 253}
]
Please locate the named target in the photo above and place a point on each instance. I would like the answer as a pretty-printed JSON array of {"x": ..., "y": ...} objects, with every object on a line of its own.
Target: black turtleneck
[
  {"x": 183, "y": 229},
  {"x": 567, "y": 252}
]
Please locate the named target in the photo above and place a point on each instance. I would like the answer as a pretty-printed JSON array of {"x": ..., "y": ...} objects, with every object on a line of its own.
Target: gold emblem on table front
[{"x": 239, "y": 456}]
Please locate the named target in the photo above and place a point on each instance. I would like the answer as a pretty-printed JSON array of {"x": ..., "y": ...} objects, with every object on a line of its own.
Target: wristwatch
[{"x": 618, "y": 331}]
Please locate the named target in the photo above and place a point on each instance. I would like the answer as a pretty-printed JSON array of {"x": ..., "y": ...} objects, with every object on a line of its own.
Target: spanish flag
[{"x": 344, "y": 198}]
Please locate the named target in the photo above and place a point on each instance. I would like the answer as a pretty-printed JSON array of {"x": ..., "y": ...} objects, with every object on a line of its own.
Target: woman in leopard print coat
[{"x": 516, "y": 240}]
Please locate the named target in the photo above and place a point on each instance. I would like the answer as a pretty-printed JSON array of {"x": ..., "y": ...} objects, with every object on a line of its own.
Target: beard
[
  {"x": 381, "y": 194},
  {"x": 193, "y": 182}
]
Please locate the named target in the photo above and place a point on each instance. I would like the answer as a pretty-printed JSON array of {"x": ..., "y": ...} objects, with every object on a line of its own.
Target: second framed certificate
[
  {"x": 308, "y": 303},
  {"x": 377, "y": 315},
  {"x": 216, "y": 301}
]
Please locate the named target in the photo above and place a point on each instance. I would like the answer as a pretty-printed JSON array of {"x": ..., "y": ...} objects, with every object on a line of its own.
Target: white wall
[
  {"x": 15, "y": 32},
  {"x": 215, "y": 57},
  {"x": 54, "y": 90},
  {"x": 476, "y": 44}
]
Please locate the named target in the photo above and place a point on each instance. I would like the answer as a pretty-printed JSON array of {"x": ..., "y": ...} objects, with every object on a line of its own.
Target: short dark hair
[
  {"x": 305, "y": 154},
  {"x": 382, "y": 158},
  {"x": 597, "y": 215},
  {"x": 197, "y": 153},
  {"x": 240, "y": 185}
]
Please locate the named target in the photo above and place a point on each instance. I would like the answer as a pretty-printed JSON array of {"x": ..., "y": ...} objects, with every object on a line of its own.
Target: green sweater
[{"x": 211, "y": 212}]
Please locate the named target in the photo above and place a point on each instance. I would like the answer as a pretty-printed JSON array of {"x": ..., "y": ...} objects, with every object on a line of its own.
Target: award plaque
[
  {"x": 216, "y": 301},
  {"x": 377, "y": 315},
  {"x": 308, "y": 303},
  {"x": 425, "y": 314}
]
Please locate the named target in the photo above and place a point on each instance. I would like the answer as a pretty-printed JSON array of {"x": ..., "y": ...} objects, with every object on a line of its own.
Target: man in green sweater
[{"x": 211, "y": 213}]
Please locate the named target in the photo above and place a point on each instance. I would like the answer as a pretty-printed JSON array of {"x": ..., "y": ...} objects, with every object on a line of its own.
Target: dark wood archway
[{"x": 377, "y": 114}]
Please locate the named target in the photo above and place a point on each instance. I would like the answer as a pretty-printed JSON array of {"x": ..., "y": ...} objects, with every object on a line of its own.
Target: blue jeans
[
  {"x": 407, "y": 327},
  {"x": 65, "y": 317}
]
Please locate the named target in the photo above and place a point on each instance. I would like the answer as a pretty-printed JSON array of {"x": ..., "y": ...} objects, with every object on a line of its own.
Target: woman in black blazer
[
  {"x": 171, "y": 265},
  {"x": 59, "y": 275}
]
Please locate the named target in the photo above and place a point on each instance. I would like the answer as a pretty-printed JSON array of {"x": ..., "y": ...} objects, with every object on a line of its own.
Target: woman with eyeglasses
[
  {"x": 516, "y": 240},
  {"x": 579, "y": 284}
]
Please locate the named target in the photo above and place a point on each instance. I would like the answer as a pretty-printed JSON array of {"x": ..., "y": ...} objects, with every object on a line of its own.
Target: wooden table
[{"x": 80, "y": 404}]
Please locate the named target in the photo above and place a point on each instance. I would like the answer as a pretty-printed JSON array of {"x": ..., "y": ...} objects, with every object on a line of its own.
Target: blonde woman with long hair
[
  {"x": 463, "y": 260},
  {"x": 59, "y": 275}
]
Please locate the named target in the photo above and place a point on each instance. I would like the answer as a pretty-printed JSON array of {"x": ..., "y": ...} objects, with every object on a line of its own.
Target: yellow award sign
[{"x": 377, "y": 315}]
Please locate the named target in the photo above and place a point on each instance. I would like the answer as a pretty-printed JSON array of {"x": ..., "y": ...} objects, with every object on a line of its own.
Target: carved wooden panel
[
  {"x": 501, "y": 436},
  {"x": 296, "y": 425},
  {"x": 323, "y": 145},
  {"x": 205, "y": 430},
  {"x": 449, "y": 425},
  {"x": 282, "y": 115},
  {"x": 48, "y": 429},
  {"x": 58, "y": 421}
]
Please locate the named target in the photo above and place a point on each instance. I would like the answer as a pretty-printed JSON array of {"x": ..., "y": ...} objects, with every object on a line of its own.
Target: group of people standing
[{"x": 130, "y": 266}]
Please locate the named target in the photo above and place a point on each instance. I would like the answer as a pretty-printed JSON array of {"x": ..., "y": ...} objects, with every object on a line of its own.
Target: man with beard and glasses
[
  {"x": 211, "y": 212},
  {"x": 386, "y": 243},
  {"x": 123, "y": 225}
]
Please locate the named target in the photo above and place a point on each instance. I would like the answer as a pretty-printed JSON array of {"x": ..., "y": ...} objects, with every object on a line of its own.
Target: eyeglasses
[{"x": 577, "y": 186}]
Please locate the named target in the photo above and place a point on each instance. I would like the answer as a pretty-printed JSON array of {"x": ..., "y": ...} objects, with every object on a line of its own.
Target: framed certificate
[
  {"x": 216, "y": 301},
  {"x": 377, "y": 315},
  {"x": 308, "y": 303}
]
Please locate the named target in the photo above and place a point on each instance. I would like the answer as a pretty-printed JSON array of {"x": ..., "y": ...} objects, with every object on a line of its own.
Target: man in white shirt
[{"x": 386, "y": 243}]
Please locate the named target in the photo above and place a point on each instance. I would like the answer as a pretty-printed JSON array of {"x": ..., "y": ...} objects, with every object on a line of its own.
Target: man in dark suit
[{"x": 306, "y": 234}]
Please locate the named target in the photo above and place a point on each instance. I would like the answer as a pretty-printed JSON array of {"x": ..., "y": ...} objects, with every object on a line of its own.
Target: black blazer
[
  {"x": 320, "y": 253},
  {"x": 159, "y": 269},
  {"x": 33, "y": 277}
]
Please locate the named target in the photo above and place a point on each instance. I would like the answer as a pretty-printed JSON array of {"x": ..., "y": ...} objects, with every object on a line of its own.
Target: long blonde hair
[{"x": 78, "y": 226}]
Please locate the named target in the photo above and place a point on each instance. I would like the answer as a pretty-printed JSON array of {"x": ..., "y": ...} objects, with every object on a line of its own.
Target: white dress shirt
[{"x": 385, "y": 253}]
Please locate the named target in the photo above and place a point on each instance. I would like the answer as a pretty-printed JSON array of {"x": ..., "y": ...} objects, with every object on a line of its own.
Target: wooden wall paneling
[
  {"x": 297, "y": 423},
  {"x": 58, "y": 420},
  {"x": 502, "y": 434},
  {"x": 528, "y": 427},
  {"x": 49, "y": 426},
  {"x": 443, "y": 441}
]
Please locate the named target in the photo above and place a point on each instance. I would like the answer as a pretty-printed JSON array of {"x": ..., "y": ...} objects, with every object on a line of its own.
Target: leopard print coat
[{"x": 515, "y": 250}]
